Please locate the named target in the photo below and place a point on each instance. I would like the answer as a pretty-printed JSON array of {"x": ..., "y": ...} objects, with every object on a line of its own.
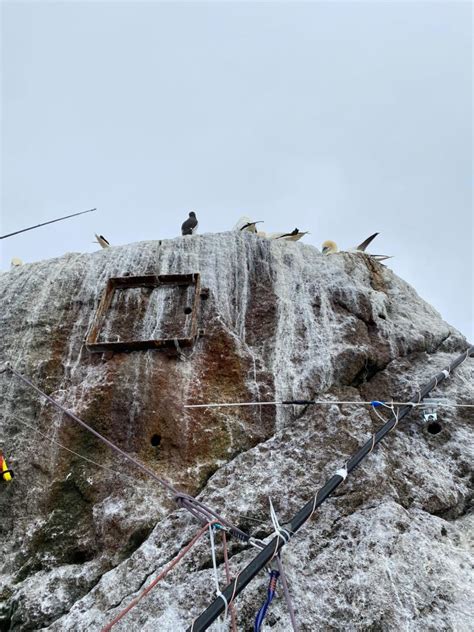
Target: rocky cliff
[{"x": 80, "y": 539}]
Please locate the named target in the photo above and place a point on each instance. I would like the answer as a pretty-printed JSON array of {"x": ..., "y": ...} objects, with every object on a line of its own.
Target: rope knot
[{"x": 279, "y": 531}]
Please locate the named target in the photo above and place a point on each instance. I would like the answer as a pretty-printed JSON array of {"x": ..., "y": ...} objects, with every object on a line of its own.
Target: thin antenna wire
[{"x": 23, "y": 230}]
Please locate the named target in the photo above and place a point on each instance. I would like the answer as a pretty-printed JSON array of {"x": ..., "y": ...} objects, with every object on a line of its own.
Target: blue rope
[{"x": 274, "y": 574}]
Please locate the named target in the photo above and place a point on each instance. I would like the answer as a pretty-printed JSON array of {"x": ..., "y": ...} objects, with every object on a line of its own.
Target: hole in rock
[
  {"x": 434, "y": 427},
  {"x": 188, "y": 310},
  {"x": 80, "y": 556},
  {"x": 155, "y": 440}
]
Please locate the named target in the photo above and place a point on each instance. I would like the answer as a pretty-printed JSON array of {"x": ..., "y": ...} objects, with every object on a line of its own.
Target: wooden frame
[{"x": 93, "y": 344}]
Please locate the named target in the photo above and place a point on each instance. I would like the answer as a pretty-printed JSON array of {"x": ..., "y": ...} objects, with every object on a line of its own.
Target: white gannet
[
  {"x": 295, "y": 235},
  {"x": 330, "y": 247},
  {"x": 16, "y": 261},
  {"x": 101, "y": 240},
  {"x": 245, "y": 223},
  {"x": 189, "y": 227}
]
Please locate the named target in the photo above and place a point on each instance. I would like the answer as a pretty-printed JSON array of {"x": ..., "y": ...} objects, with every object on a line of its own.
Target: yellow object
[{"x": 6, "y": 473}]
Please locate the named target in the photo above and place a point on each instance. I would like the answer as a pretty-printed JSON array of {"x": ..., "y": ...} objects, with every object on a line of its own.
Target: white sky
[{"x": 339, "y": 118}]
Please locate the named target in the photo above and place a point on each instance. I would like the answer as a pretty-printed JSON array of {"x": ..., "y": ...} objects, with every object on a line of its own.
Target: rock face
[{"x": 80, "y": 539}]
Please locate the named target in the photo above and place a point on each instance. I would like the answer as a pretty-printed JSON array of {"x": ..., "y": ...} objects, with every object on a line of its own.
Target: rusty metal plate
[{"x": 146, "y": 312}]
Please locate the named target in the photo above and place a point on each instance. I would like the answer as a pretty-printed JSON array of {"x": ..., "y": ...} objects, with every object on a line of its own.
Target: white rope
[
  {"x": 279, "y": 531},
  {"x": 396, "y": 414},
  {"x": 328, "y": 403},
  {"x": 216, "y": 578}
]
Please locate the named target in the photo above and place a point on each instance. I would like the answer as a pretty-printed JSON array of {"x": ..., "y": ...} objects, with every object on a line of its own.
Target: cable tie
[
  {"x": 226, "y": 603},
  {"x": 342, "y": 473},
  {"x": 376, "y": 403},
  {"x": 446, "y": 373}
]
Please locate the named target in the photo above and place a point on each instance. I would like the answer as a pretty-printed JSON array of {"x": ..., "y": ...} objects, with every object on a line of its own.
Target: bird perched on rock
[
  {"x": 16, "y": 261},
  {"x": 245, "y": 223},
  {"x": 102, "y": 241},
  {"x": 189, "y": 227},
  {"x": 295, "y": 235},
  {"x": 330, "y": 247}
]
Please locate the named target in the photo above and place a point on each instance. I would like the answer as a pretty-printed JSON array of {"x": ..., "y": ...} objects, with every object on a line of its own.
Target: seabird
[
  {"x": 295, "y": 235},
  {"x": 251, "y": 226},
  {"x": 245, "y": 223},
  {"x": 330, "y": 247},
  {"x": 101, "y": 240},
  {"x": 189, "y": 227},
  {"x": 16, "y": 261},
  {"x": 361, "y": 247}
]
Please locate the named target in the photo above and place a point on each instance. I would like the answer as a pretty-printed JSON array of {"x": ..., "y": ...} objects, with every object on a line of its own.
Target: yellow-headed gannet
[
  {"x": 330, "y": 247},
  {"x": 16, "y": 261}
]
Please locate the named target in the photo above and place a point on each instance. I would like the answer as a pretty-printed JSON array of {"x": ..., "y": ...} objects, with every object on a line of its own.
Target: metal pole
[
  {"x": 23, "y": 230},
  {"x": 271, "y": 549}
]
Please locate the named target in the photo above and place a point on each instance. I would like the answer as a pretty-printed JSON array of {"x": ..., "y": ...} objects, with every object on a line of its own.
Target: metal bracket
[{"x": 430, "y": 408}]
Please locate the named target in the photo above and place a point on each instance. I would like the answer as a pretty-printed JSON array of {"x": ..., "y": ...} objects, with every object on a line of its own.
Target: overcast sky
[{"x": 339, "y": 118}]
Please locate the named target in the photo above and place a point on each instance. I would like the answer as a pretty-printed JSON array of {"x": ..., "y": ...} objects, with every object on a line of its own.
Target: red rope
[{"x": 163, "y": 574}]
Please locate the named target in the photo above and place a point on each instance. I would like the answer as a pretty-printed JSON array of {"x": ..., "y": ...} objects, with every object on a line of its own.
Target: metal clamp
[{"x": 430, "y": 408}]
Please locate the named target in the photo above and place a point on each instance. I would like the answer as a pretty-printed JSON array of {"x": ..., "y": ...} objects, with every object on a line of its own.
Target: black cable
[{"x": 23, "y": 230}]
